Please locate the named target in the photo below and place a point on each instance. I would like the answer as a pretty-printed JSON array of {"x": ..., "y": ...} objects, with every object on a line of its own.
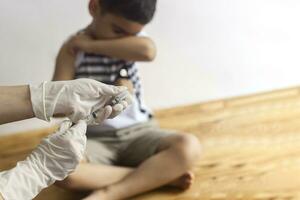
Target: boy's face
[{"x": 110, "y": 26}]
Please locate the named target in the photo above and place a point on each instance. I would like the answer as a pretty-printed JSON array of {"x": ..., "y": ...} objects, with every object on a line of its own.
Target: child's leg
[
  {"x": 177, "y": 155},
  {"x": 88, "y": 177},
  {"x": 99, "y": 172}
]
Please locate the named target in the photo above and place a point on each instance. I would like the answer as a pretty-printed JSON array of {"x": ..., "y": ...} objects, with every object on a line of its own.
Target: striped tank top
[{"x": 108, "y": 70}]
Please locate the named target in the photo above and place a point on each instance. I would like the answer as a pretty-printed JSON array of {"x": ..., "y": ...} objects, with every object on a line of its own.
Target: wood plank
[{"x": 251, "y": 149}]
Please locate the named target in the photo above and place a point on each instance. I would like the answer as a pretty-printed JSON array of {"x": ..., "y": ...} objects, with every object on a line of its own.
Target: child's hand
[
  {"x": 127, "y": 83},
  {"x": 80, "y": 42}
]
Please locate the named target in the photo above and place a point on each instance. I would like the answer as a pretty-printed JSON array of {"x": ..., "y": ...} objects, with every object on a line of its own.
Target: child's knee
[{"x": 188, "y": 149}]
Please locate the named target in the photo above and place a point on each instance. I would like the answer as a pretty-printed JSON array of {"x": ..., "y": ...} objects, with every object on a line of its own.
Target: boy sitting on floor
[{"x": 130, "y": 154}]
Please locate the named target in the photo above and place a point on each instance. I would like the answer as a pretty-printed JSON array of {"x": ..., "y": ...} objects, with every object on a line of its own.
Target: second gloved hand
[{"x": 54, "y": 159}]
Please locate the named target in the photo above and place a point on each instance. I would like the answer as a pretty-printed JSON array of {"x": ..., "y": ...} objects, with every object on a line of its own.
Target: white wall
[{"x": 222, "y": 47}]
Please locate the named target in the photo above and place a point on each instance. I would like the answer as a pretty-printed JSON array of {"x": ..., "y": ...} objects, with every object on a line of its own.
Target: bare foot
[{"x": 184, "y": 182}]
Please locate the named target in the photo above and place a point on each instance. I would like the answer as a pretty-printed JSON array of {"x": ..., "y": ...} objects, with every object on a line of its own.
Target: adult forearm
[
  {"x": 15, "y": 103},
  {"x": 131, "y": 48}
]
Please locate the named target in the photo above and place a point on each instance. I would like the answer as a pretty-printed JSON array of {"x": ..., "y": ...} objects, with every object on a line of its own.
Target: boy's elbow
[
  {"x": 149, "y": 51},
  {"x": 150, "y": 55}
]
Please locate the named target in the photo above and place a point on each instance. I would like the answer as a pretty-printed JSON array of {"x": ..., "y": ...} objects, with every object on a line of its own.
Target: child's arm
[
  {"x": 129, "y": 48},
  {"x": 65, "y": 64}
]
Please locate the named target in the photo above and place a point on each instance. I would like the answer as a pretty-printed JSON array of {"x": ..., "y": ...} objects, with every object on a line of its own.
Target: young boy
[{"x": 130, "y": 154}]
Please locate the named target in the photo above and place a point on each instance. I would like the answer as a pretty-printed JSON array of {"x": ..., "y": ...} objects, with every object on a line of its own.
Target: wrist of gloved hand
[
  {"x": 23, "y": 182},
  {"x": 37, "y": 95}
]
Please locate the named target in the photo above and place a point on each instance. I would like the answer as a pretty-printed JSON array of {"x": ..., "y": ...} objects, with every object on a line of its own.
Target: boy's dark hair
[{"x": 141, "y": 11}]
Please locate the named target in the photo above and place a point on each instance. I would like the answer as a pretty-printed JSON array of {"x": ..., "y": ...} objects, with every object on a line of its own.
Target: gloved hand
[
  {"x": 76, "y": 99},
  {"x": 55, "y": 158}
]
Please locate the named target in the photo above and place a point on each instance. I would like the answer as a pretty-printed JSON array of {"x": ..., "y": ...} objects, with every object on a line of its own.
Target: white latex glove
[
  {"x": 76, "y": 99},
  {"x": 54, "y": 159}
]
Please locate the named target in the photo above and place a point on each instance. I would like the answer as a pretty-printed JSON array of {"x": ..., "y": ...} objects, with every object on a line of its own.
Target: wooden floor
[{"x": 251, "y": 149}]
